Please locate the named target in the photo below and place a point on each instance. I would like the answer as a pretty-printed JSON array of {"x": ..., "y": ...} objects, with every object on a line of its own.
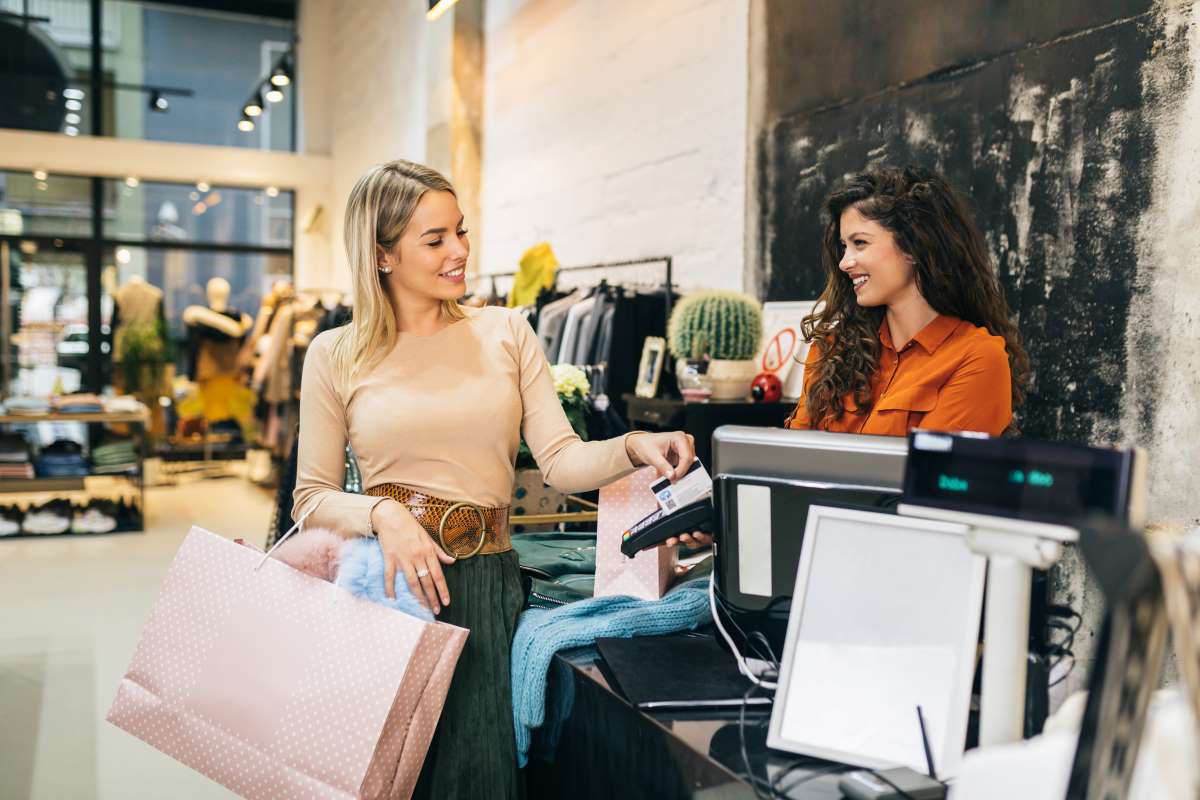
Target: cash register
[{"x": 764, "y": 480}]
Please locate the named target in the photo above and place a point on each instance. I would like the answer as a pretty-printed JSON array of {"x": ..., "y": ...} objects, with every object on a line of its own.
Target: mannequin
[
  {"x": 215, "y": 338},
  {"x": 138, "y": 304}
]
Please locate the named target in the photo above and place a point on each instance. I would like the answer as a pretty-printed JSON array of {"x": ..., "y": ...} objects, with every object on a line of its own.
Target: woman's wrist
[{"x": 629, "y": 453}]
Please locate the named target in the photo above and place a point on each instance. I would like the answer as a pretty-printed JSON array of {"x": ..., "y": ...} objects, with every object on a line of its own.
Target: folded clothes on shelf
[
  {"x": 123, "y": 404},
  {"x": 62, "y": 458},
  {"x": 15, "y": 458},
  {"x": 82, "y": 403},
  {"x": 115, "y": 455},
  {"x": 27, "y": 406}
]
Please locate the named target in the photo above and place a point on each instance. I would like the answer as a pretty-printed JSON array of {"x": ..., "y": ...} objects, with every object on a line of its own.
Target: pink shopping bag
[
  {"x": 277, "y": 684},
  {"x": 648, "y": 574}
]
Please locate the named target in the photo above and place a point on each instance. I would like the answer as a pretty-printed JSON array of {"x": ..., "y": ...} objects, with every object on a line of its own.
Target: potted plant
[
  {"x": 531, "y": 495},
  {"x": 727, "y": 327}
]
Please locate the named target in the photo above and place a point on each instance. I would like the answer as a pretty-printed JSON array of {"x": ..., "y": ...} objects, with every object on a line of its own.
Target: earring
[{"x": 385, "y": 270}]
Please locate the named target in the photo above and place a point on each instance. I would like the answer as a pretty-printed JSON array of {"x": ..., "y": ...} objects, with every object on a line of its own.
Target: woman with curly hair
[{"x": 913, "y": 330}]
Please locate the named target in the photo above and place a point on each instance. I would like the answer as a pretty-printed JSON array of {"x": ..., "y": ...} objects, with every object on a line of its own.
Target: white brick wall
[
  {"x": 371, "y": 103},
  {"x": 616, "y": 129}
]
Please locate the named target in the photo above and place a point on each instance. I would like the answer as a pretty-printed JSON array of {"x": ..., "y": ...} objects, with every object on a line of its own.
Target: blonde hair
[{"x": 380, "y": 207}]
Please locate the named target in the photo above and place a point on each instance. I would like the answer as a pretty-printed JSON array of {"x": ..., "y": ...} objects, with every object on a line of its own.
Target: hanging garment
[
  {"x": 552, "y": 320},
  {"x": 589, "y": 328},
  {"x": 273, "y": 372},
  {"x": 575, "y": 317},
  {"x": 538, "y": 267}
]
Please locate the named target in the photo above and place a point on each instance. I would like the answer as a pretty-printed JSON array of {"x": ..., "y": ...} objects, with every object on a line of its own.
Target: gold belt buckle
[{"x": 482, "y": 530}]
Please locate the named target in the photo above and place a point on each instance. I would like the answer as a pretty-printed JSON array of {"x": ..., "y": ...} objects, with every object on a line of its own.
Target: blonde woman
[{"x": 433, "y": 397}]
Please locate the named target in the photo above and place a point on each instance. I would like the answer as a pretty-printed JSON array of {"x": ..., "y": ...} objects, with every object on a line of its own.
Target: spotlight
[
  {"x": 73, "y": 119},
  {"x": 71, "y": 130},
  {"x": 39, "y": 175},
  {"x": 203, "y": 187},
  {"x": 255, "y": 106},
  {"x": 274, "y": 94},
  {"x": 437, "y": 8},
  {"x": 74, "y": 105},
  {"x": 123, "y": 255},
  {"x": 132, "y": 182},
  {"x": 272, "y": 191},
  {"x": 245, "y": 124},
  {"x": 158, "y": 102},
  {"x": 281, "y": 76},
  {"x": 73, "y": 94}
]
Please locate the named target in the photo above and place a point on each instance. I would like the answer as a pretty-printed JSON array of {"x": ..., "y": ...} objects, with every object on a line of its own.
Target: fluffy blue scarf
[{"x": 361, "y": 573}]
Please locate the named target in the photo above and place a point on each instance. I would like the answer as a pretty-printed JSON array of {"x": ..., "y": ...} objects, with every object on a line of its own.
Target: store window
[
  {"x": 62, "y": 288},
  {"x": 173, "y": 212},
  {"x": 168, "y": 71},
  {"x": 43, "y": 204}
]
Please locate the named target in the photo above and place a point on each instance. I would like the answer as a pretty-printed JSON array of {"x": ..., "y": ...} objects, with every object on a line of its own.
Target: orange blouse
[{"x": 952, "y": 376}]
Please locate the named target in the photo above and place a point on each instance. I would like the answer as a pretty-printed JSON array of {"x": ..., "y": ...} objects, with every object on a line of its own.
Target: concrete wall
[
  {"x": 1071, "y": 127},
  {"x": 615, "y": 129}
]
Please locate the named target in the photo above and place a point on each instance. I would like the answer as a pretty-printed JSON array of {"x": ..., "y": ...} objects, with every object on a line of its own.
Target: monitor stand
[{"x": 1013, "y": 548}]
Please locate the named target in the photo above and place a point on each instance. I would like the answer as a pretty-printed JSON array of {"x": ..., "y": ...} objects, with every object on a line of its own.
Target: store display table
[
  {"x": 701, "y": 419},
  {"x": 609, "y": 748}
]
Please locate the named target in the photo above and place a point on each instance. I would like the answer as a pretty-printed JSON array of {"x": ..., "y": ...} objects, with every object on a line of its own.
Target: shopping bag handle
[{"x": 296, "y": 527}]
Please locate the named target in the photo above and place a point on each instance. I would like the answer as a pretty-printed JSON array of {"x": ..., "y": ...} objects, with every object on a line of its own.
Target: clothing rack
[{"x": 666, "y": 280}]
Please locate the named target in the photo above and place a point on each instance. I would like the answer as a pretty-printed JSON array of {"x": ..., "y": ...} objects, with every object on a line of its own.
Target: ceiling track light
[
  {"x": 437, "y": 8},
  {"x": 282, "y": 74},
  {"x": 245, "y": 124},
  {"x": 274, "y": 94},
  {"x": 158, "y": 102},
  {"x": 254, "y": 106}
]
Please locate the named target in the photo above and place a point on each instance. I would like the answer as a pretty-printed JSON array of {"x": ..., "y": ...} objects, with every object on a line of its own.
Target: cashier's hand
[
  {"x": 408, "y": 548},
  {"x": 671, "y": 453},
  {"x": 694, "y": 540}
]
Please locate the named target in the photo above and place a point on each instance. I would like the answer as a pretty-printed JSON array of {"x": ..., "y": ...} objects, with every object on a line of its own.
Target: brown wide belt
[{"x": 462, "y": 529}]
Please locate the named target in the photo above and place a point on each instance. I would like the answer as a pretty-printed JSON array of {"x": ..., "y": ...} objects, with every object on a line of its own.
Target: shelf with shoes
[{"x": 63, "y": 487}]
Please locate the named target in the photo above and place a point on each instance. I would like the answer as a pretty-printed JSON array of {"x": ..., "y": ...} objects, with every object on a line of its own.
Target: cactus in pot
[{"x": 728, "y": 325}]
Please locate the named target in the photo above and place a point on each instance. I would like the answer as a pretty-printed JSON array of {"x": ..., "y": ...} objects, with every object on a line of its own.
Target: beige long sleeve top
[{"x": 442, "y": 414}]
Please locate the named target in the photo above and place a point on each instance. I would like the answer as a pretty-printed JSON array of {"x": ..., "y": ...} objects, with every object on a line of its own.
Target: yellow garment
[
  {"x": 222, "y": 397},
  {"x": 537, "y": 271}
]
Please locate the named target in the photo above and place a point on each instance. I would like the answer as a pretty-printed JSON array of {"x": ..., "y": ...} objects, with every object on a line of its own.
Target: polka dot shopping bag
[{"x": 278, "y": 684}]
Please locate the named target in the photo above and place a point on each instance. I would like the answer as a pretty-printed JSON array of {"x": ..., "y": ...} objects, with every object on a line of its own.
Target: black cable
[{"x": 754, "y": 779}]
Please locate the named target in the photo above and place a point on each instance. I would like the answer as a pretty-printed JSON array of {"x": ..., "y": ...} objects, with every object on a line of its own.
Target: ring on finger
[{"x": 422, "y": 573}]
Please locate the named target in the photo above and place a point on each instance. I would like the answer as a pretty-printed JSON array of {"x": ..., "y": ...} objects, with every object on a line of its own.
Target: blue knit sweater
[{"x": 543, "y": 632}]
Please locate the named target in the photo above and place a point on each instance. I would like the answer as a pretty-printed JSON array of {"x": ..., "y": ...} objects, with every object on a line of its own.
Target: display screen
[{"x": 1038, "y": 481}]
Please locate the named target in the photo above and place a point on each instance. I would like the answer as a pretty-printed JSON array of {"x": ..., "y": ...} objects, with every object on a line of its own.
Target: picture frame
[
  {"x": 654, "y": 350},
  {"x": 783, "y": 348}
]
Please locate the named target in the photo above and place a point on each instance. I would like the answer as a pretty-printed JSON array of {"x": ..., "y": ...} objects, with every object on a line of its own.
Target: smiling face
[
  {"x": 881, "y": 273},
  {"x": 430, "y": 259}
]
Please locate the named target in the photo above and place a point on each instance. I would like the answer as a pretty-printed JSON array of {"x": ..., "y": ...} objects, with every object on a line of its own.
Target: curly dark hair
[{"x": 953, "y": 272}]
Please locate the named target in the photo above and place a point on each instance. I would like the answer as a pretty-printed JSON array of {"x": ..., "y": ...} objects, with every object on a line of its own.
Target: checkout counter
[{"x": 609, "y": 745}]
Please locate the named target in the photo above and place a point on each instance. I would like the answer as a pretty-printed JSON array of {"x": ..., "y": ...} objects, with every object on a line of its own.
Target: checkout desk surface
[{"x": 609, "y": 748}]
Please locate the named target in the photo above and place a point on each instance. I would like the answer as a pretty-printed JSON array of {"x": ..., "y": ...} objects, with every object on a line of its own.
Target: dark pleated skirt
[{"x": 474, "y": 750}]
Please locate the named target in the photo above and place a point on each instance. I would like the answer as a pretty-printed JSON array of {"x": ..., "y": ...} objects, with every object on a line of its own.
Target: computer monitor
[{"x": 764, "y": 481}]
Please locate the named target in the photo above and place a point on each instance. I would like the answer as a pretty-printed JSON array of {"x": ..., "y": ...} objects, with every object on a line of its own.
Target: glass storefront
[
  {"x": 59, "y": 282},
  {"x": 169, "y": 72}
]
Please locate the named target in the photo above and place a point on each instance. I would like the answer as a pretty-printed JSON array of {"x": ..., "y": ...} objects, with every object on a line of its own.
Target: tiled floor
[{"x": 71, "y": 610}]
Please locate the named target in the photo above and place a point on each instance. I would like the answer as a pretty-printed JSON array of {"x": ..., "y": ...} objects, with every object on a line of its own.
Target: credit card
[{"x": 693, "y": 486}]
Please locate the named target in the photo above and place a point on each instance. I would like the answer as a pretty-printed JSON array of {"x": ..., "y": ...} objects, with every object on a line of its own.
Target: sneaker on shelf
[
  {"x": 10, "y": 521},
  {"x": 49, "y": 518},
  {"x": 92, "y": 519}
]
